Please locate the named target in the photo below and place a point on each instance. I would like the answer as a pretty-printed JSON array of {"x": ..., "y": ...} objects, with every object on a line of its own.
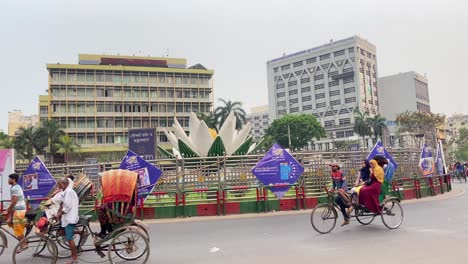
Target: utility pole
[{"x": 289, "y": 138}]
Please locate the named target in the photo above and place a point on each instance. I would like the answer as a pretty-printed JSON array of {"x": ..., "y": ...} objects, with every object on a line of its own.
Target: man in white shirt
[{"x": 69, "y": 214}]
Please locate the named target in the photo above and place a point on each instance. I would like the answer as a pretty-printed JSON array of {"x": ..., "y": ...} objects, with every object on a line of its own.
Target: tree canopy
[
  {"x": 419, "y": 124},
  {"x": 302, "y": 129},
  {"x": 222, "y": 112}
]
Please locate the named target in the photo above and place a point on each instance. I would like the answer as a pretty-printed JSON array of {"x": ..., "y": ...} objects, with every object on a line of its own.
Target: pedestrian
[
  {"x": 68, "y": 214},
  {"x": 16, "y": 212}
]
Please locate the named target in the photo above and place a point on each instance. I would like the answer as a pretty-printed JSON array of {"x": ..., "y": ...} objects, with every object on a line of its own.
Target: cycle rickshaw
[
  {"x": 128, "y": 239},
  {"x": 324, "y": 216}
]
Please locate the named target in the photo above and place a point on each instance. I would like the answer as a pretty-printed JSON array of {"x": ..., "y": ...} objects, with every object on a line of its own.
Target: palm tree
[
  {"x": 377, "y": 123},
  {"x": 67, "y": 146},
  {"x": 222, "y": 112},
  {"x": 6, "y": 142},
  {"x": 209, "y": 119},
  {"x": 53, "y": 133},
  {"x": 28, "y": 142},
  {"x": 361, "y": 124}
]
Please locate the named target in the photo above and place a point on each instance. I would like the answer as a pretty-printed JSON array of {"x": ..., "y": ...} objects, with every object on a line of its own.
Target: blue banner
[
  {"x": 440, "y": 160},
  {"x": 142, "y": 142},
  {"x": 36, "y": 181},
  {"x": 278, "y": 167},
  {"x": 148, "y": 175},
  {"x": 379, "y": 150},
  {"x": 426, "y": 162}
]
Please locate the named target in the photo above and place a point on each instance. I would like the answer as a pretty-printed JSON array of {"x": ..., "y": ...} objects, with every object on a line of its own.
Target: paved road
[{"x": 433, "y": 231}]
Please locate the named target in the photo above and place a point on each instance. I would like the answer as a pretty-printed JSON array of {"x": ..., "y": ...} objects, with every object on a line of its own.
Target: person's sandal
[
  {"x": 21, "y": 249},
  {"x": 345, "y": 222}
]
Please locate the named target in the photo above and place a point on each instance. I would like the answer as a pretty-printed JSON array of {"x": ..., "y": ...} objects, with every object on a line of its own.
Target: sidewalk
[{"x": 454, "y": 193}]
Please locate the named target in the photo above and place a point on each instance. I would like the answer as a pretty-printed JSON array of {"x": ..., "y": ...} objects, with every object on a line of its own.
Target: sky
[{"x": 234, "y": 38}]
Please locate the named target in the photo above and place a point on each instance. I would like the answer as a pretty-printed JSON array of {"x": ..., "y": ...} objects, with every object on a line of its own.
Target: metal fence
[{"x": 192, "y": 174}]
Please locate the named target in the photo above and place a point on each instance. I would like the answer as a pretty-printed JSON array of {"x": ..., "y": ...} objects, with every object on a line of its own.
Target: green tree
[
  {"x": 362, "y": 126},
  {"x": 52, "y": 134},
  {"x": 209, "y": 119},
  {"x": 28, "y": 142},
  {"x": 461, "y": 145},
  {"x": 223, "y": 111},
  {"x": 420, "y": 125},
  {"x": 6, "y": 142},
  {"x": 67, "y": 146},
  {"x": 377, "y": 123},
  {"x": 300, "y": 129}
]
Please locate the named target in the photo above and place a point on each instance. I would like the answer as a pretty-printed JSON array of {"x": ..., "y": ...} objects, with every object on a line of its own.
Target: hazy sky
[{"x": 235, "y": 38}]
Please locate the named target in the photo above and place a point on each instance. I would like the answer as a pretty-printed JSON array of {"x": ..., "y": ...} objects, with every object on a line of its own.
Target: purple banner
[
  {"x": 142, "y": 142},
  {"x": 379, "y": 150},
  {"x": 148, "y": 175},
  {"x": 426, "y": 161},
  {"x": 278, "y": 167},
  {"x": 36, "y": 181}
]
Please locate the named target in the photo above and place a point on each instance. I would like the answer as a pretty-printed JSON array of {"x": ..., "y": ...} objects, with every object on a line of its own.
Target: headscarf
[
  {"x": 378, "y": 171},
  {"x": 365, "y": 171}
]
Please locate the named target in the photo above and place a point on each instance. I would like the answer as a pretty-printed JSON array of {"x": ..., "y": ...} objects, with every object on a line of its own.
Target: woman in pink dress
[{"x": 369, "y": 194}]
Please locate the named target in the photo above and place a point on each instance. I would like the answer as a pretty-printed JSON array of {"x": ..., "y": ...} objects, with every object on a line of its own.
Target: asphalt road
[{"x": 434, "y": 230}]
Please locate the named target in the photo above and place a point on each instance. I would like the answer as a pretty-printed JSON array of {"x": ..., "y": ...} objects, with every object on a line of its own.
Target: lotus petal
[
  {"x": 217, "y": 148},
  {"x": 241, "y": 137},
  {"x": 252, "y": 147},
  {"x": 171, "y": 137},
  {"x": 204, "y": 140},
  {"x": 194, "y": 122},
  {"x": 180, "y": 134},
  {"x": 176, "y": 153},
  {"x": 226, "y": 132}
]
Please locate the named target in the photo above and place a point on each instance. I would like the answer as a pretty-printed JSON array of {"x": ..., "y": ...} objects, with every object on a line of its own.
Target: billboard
[{"x": 142, "y": 141}]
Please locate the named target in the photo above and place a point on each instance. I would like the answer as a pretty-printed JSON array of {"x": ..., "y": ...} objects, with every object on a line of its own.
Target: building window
[
  {"x": 349, "y": 133},
  {"x": 333, "y": 93},
  {"x": 281, "y": 112},
  {"x": 351, "y": 50},
  {"x": 340, "y": 134},
  {"x": 279, "y": 95},
  {"x": 280, "y": 86},
  {"x": 335, "y": 102},
  {"x": 297, "y": 64},
  {"x": 275, "y": 69},
  {"x": 329, "y": 123},
  {"x": 345, "y": 121},
  {"x": 311, "y": 60},
  {"x": 320, "y": 96},
  {"x": 349, "y": 90},
  {"x": 293, "y": 101},
  {"x": 321, "y": 105},
  {"x": 306, "y": 98},
  {"x": 305, "y": 89},
  {"x": 339, "y": 53},
  {"x": 305, "y": 80},
  {"x": 292, "y": 83},
  {"x": 334, "y": 83},
  {"x": 306, "y": 107},
  {"x": 348, "y": 79},
  {"x": 285, "y": 67},
  {"x": 318, "y": 77},
  {"x": 325, "y": 56},
  {"x": 293, "y": 92},
  {"x": 294, "y": 110},
  {"x": 319, "y": 86},
  {"x": 350, "y": 100},
  {"x": 281, "y": 103}
]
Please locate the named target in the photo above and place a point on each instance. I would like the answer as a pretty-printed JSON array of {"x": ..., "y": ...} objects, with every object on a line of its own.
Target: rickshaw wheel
[
  {"x": 129, "y": 244},
  {"x": 323, "y": 218}
]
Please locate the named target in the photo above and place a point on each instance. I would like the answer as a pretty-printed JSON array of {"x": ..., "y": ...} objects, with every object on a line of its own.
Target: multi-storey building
[
  {"x": 403, "y": 92},
  {"x": 99, "y": 99},
  {"x": 329, "y": 82},
  {"x": 259, "y": 119},
  {"x": 17, "y": 120}
]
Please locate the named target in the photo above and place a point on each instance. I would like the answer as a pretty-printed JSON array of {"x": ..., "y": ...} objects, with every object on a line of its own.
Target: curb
[{"x": 454, "y": 193}]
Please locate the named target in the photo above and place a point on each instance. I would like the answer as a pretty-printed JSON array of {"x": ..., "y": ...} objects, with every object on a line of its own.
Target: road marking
[{"x": 214, "y": 249}]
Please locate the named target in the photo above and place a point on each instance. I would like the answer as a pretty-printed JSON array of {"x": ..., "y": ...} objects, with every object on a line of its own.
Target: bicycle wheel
[
  {"x": 392, "y": 214},
  {"x": 3, "y": 242},
  {"x": 130, "y": 245},
  {"x": 39, "y": 249},
  {"x": 363, "y": 216},
  {"x": 64, "y": 248},
  {"x": 323, "y": 218}
]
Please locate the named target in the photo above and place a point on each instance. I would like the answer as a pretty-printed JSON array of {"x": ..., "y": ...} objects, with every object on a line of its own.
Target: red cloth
[{"x": 369, "y": 195}]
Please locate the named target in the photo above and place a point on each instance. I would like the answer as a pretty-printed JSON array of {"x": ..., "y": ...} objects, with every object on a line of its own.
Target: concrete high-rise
[
  {"x": 259, "y": 119},
  {"x": 99, "y": 99},
  {"x": 329, "y": 81}
]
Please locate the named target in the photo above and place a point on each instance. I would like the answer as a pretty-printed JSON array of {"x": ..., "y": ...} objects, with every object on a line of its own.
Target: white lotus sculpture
[{"x": 205, "y": 142}]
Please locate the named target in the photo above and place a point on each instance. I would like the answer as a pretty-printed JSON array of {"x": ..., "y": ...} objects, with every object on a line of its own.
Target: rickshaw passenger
[{"x": 369, "y": 194}]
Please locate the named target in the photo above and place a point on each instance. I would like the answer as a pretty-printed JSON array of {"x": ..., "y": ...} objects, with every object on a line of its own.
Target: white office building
[
  {"x": 329, "y": 81},
  {"x": 260, "y": 120},
  {"x": 403, "y": 92}
]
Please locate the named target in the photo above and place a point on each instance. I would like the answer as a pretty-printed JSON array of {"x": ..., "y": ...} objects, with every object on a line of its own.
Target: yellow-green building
[{"x": 99, "y": 99}]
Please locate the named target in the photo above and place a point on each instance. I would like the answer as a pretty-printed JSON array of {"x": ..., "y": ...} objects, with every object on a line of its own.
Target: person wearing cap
[{"x": 340, "y": 185}]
